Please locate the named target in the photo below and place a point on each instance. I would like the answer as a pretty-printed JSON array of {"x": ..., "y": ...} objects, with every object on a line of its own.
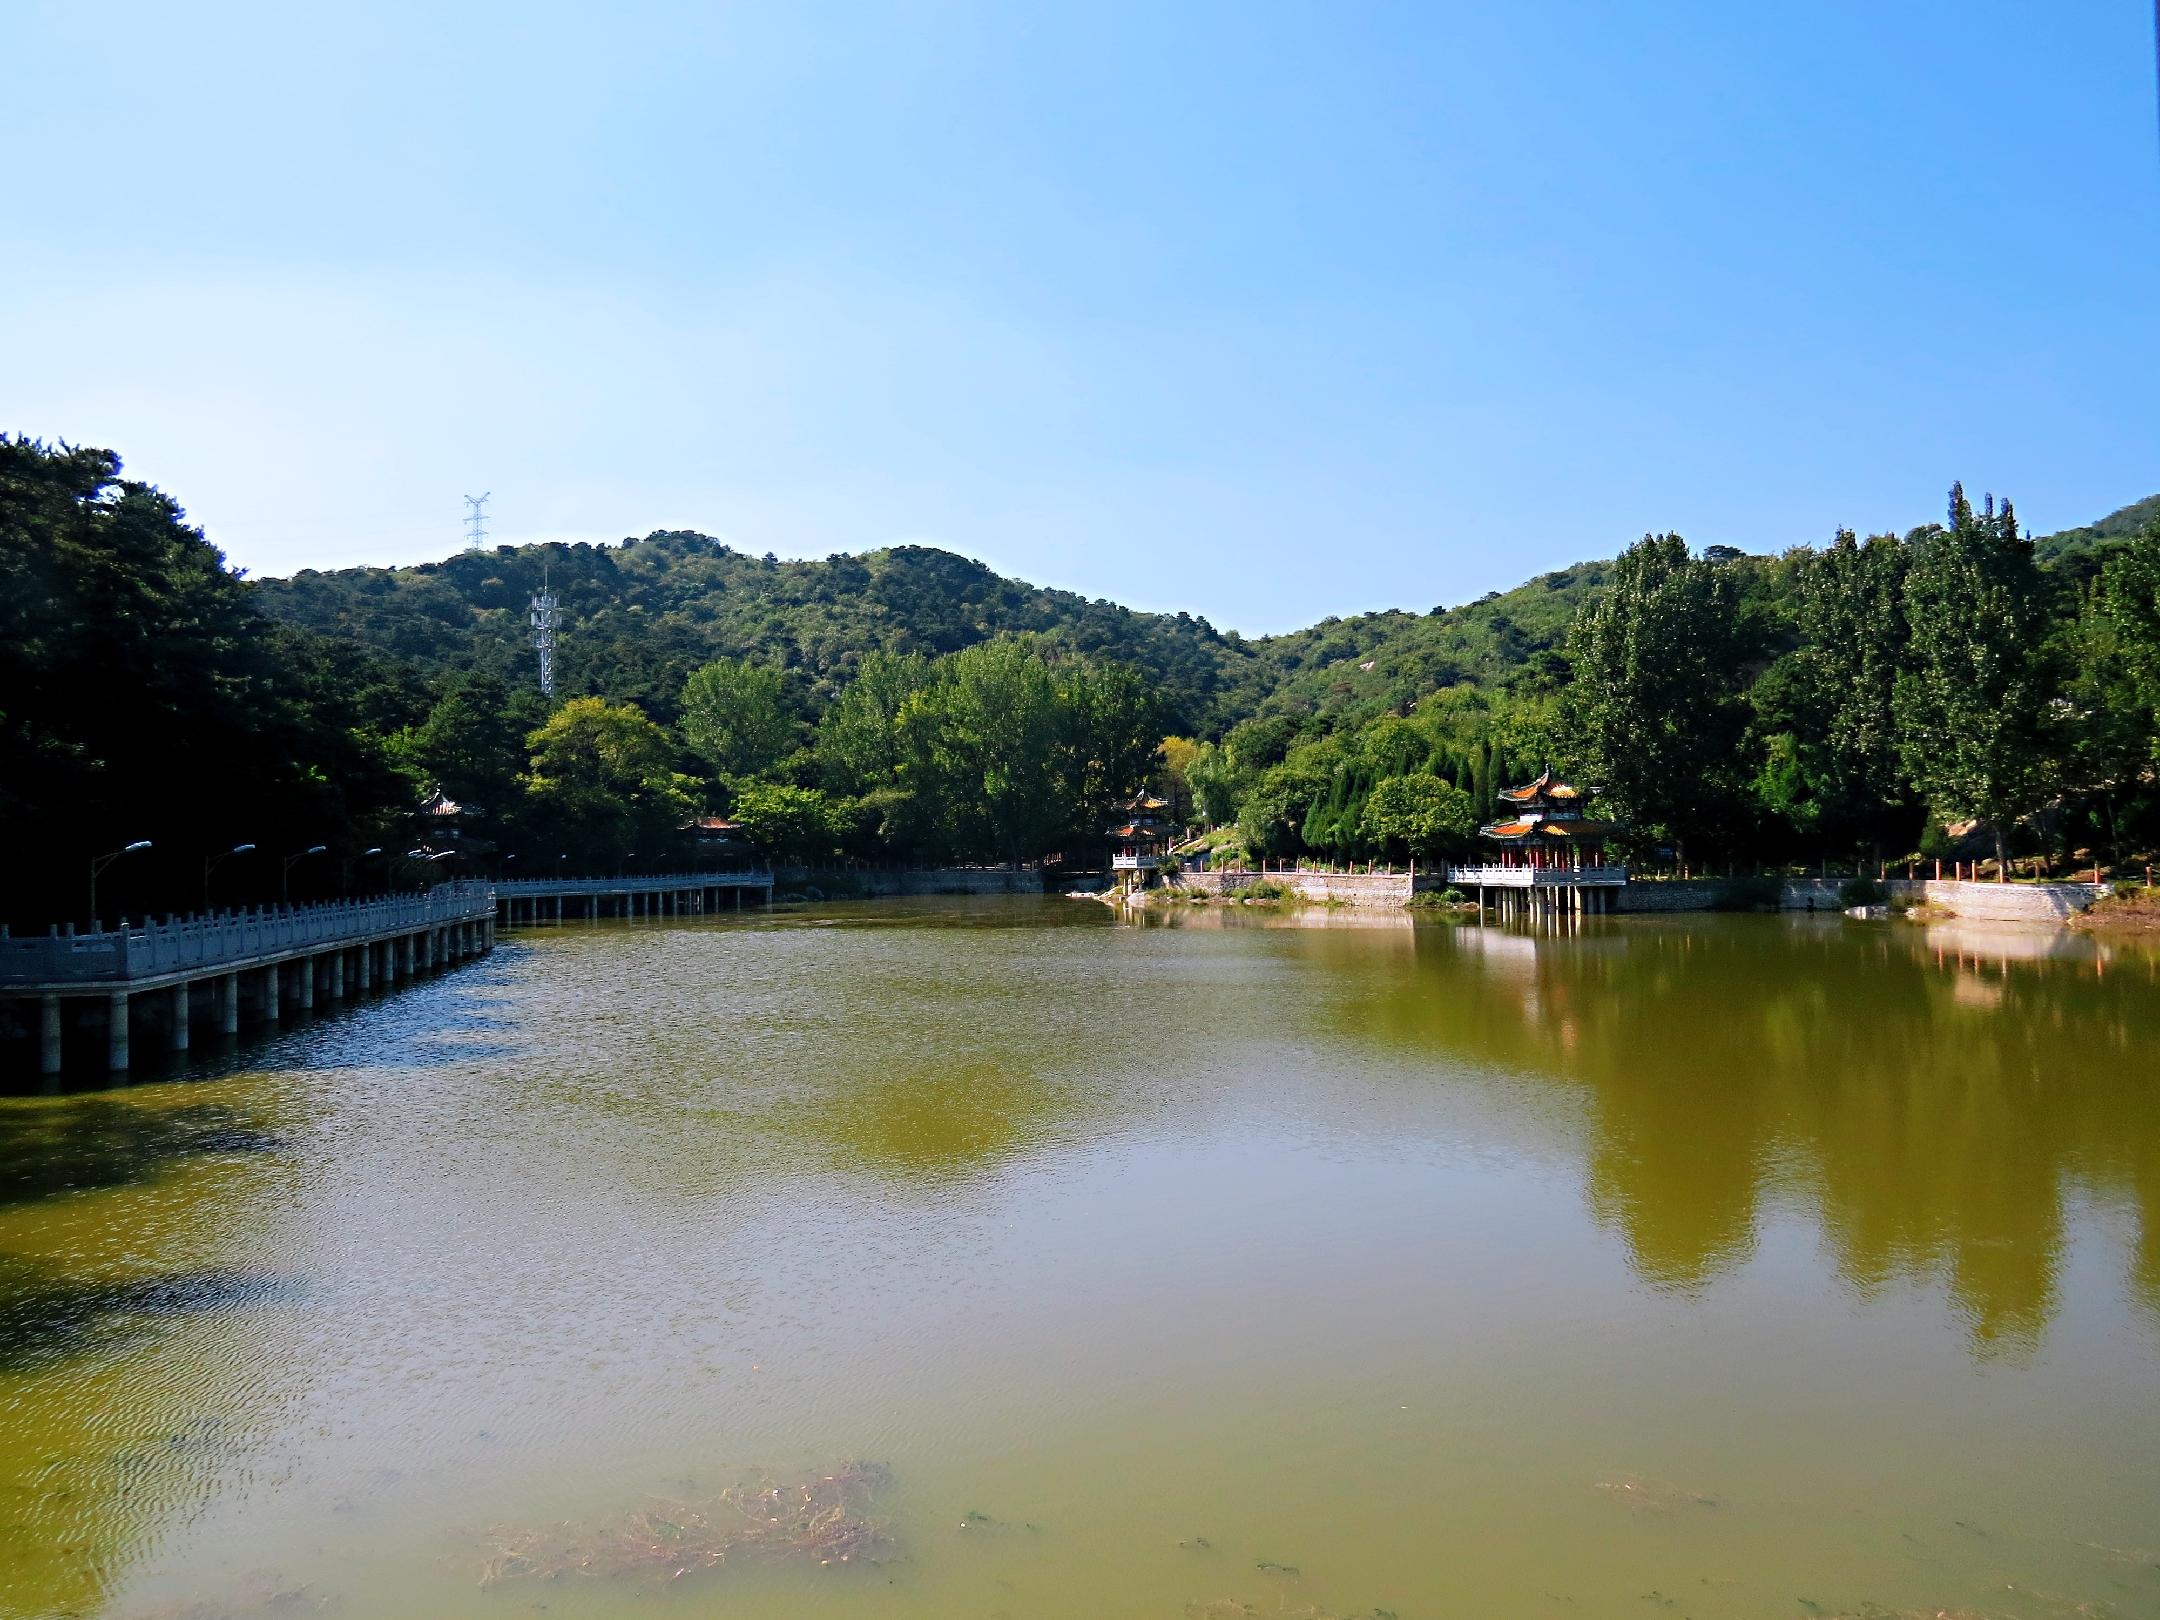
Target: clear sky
[{"x": 1263, "y": 311}]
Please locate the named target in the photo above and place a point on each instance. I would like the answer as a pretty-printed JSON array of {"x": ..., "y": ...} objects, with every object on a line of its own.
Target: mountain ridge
[{"x": 638, "y": 615}]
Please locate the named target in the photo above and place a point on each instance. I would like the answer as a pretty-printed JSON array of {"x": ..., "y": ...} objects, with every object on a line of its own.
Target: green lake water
[{"x": 1309, "y": 1264}]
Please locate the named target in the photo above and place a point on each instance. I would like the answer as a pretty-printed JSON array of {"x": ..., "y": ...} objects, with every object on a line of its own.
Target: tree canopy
[{"x": 1887, "y": 694}]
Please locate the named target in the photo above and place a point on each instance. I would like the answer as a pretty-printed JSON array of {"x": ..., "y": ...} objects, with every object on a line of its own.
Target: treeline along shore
[{"x": 1957, "y": 690}]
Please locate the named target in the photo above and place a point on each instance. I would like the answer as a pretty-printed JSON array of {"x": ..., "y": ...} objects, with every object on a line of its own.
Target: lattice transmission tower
[
  {"x": 543, "y": 633},
  {"x": 475, "y": 520}
]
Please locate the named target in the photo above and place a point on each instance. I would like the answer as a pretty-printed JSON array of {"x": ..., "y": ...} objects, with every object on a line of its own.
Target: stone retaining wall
[
  {"x": 1342, "y": 888},
  {"x": 1680, "y": 894},
  {"x": 1983, "y": 902},
  {"x": 1987, "y": 902}
]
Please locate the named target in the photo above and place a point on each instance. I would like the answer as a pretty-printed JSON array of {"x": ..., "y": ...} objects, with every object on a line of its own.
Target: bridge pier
[
  {"x": 208, "y": 967},
  {"x": 48, "y": 1034}
]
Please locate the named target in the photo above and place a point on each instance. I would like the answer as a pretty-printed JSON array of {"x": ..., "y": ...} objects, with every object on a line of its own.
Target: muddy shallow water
[{"x": 1313, "y": 1264}]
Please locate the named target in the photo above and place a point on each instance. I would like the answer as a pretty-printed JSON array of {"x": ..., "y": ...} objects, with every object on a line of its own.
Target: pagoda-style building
[
  {"x": 1138, "y": 841},
  {"x": 1548, "y": 856}
]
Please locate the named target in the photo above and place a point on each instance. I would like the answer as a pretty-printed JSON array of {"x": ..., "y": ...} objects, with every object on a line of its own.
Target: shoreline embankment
[
  {"x": 2052, "y": 904},
  {"x": 2048, "y": 903}
]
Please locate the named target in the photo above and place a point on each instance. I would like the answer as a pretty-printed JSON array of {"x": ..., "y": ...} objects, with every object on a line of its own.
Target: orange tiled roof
[
  {"x": 1544, "y": 787},
  {"x": 1529, "y": 827}
]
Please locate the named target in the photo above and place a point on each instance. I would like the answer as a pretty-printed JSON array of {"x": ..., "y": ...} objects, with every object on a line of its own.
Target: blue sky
[{"x": 1262, "y": 311}]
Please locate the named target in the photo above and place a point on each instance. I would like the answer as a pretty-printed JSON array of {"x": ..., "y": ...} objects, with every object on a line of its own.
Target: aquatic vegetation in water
[
  {"x": 1653, "y": 1495},
  {"x": 260, "y": 1594},
  {"x": 824, "y": 1520},
  {"x": 2125, "y": 1555},
  {"x": 1233, "y": 1609}
]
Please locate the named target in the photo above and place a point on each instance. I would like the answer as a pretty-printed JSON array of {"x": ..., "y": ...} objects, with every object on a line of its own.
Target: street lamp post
[
  {"x": 284, "y": 886},
  {"x": 428, "y": 857},
  {"x": 98, "y": 863},
  {"x": 345, "y": 870},
  {"x": 212, "y": 862}
]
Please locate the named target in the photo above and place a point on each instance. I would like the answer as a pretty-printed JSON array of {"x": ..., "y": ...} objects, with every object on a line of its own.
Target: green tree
[
  {"x": 1654, "y": 713},
  {"x": 1849, "y": 610},
  {"x": 791, "y": 824},
  {"x": 1173, "y": 775},
  {"x": 1420, "y": 814},
  {"x": 860, "y": 742},
  {"x": 2129, "y": 602},
  {"x": 983, "y": 738},
  {"x": 143, "y": 697},
  {"x": 602, "y": 786},
  {"x": 1109, "y": 739},
  {"x": 737, "y": 716},
  {"x": 2108, "y": 752},
  {"x": 471, "y": 746},
  {"x": 1272, "y": 817},
  {"x": 1969, "y": 707},
  {"x": 1214, "y": 780}
]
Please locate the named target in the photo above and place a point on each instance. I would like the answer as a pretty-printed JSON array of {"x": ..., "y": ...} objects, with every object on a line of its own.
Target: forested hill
[
  {"x": 639, "y": 616},
  {"x": 912, "y": 704}
]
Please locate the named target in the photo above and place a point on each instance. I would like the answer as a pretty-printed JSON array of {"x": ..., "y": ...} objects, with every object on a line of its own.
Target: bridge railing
[
  {"x": 746, "y": 878},
  {"x": 208, "y": 942}
]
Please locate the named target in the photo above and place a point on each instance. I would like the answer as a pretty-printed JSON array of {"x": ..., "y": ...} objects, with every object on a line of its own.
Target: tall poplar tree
[
  {"x": 1654, "y": 714},
  {"x": 1969, "y": 706},
  {"x": 1849, "y": 603}
]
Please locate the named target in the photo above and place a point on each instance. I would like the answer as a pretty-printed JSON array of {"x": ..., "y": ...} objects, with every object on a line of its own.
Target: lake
[{"x": 1023, "y": 1262}]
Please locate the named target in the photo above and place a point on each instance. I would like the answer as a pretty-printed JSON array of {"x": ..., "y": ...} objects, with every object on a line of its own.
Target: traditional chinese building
[
  {"x": 1138, "y": 842},
  {"x": 1548, "y": 856}
]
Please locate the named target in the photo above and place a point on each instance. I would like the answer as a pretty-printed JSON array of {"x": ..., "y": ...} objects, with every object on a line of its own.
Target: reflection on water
[
  {"x": 1311, "y": 1262},
  {"x": 1938, "y": 1099}
]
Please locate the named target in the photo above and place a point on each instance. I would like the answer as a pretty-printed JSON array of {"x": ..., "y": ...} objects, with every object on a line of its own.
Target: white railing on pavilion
[{"x": 1538, "y": 877}]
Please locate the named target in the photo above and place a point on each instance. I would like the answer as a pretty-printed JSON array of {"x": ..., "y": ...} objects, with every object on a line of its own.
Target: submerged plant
[{"x": 823, "y": 1520}]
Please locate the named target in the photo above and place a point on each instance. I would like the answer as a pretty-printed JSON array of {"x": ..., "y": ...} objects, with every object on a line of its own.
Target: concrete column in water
[
  {"x": 228, "y": 993},
  {"x": 48, "y": 1034},
  {"x": 364, "y": 967},
  {"x": 116, "y": 1032},
  {"x": 304, "y": 975},
  {"x": 270, "y": 1009},
  {"x": 176, "y": 1037}
]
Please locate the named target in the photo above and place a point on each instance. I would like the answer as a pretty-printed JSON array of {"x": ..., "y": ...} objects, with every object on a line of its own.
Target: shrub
[
  {"x": 1260, "y": 889},
  {"x": 1863, "y": 891}
]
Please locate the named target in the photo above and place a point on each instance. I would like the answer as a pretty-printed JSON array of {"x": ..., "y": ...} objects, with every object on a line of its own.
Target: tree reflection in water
[{"x": 1932, "y": 1097}]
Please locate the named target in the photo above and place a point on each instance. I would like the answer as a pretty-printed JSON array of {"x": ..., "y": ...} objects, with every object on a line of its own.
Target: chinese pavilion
[
  {"x": 1137, "y": 843},
  {"x": 1548, "y": 850}
]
